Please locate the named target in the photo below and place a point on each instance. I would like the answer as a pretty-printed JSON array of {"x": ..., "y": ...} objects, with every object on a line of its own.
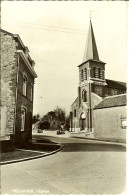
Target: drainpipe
[
  {"x": 71, "y": 121},
  {"x": 17, "y": 76}
]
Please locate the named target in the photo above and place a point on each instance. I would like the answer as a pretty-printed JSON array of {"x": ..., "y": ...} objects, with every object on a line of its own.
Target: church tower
[
  {"x": 93, "y": 87},
  {"x": 91, "y": 78}
]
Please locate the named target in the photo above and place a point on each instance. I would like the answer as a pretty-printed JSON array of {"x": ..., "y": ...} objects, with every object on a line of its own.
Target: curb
[
  {"x": 105, "y": 141},
  {"x": 32, "y": 158}
]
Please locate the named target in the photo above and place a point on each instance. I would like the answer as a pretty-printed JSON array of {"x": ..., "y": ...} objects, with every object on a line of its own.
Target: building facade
[
  {"x": 93, "y": 88},
  {"x": 17, "y": 88},
  {"x": 110, "y": 119}
]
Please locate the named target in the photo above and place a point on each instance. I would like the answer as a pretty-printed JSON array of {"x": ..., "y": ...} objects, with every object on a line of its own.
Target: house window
[
  {"x": 75, "y": 113},
  {"x": 82, "y": 75},
  {"x": 123, "y": 123},
  {"x": 23, "y": 118},
  {"x": 24, "y": 85},
  {"x": 84, "y": 95},
  {"x": 31, "y": 93}
]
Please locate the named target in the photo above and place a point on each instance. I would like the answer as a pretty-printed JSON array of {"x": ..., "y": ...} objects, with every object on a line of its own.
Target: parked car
[
  {"x": 40, "y": 131},
  {"x": 59, "y": 132}
]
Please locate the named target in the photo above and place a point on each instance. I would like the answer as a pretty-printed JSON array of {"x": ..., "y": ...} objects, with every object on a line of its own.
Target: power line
[
  {"x": 44, "y": 25},
  {"x": 58, "y": 30}
]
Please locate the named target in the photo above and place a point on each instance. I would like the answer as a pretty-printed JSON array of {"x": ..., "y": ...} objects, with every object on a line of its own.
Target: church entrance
[
  {"x": 82, "y": 121},
  {"x": 82, "y": 124}
]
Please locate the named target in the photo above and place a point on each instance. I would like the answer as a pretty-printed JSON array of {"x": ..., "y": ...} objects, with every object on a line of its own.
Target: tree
[
  {"x": 57, "y": 118},
  {"x": 36, "y": 118}
]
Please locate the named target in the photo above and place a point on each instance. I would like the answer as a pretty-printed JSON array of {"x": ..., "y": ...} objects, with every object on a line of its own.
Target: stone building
[
  {"x": 93, "y": 87},
  {"x": 17, "y": 87}
]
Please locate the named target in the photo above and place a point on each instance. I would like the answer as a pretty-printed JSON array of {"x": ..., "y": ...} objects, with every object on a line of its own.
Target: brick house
[
  {"x": 93, "y": 88},
  {"x": 17, "y": 87}
]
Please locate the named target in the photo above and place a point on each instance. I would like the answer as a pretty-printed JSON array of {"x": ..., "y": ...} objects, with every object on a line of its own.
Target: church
[{"x": 94, "y": 89}]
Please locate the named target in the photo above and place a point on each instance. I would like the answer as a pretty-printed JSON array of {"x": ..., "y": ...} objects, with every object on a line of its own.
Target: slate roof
[
  {"x": 112, "y": 101},
  {"x": 91, "y": 51},
  {"x": 115, "y": 84}
]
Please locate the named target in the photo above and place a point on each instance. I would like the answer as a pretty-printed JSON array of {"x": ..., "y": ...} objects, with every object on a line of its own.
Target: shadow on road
[
  {"x": 92, "y": 147},
  {"x": 80, "y": 145}
]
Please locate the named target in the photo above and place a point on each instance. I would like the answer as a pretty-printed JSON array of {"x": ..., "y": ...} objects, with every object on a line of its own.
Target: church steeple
[{"x": 91, "y": 52}]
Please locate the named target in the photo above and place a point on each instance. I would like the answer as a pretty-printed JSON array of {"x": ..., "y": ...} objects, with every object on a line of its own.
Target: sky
[{"x": 55, "y": 33}]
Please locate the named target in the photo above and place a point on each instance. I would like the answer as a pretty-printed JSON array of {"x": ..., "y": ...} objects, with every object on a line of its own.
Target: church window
[
  {"x": 99, "y": 73},
  {"x": 96, "y": 73},
  {"x": 75, "y": 113},
  {"x": 82, "y": 75},
  {"x": 115, "y": 92},
  {"x": 85, "y": 74},
  {"x": 103, "y": 74},
  {"x": 101, "y": 91},
  {"x": 97, "y": 90},
  {"x": 84, "y": 95},
  {"x": 93, "y": 72}
]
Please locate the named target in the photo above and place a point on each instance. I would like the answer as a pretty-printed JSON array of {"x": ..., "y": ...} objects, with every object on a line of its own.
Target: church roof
[
  {"x": 91, "y": 52},
  {"x": 112, "y": 101},
  {"x": 115, "y": 84},
  {"x": 76, "y": 100}
]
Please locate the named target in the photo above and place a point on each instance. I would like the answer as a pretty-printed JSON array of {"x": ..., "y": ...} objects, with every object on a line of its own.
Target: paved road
[{"x": 82, "y": 167}]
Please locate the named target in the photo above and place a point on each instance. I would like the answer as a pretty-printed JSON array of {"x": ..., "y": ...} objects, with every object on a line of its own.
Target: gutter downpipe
[{"x": 17, "y": 76}]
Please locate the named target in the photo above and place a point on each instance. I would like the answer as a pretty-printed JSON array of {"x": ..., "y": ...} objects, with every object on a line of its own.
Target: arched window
[
  {"x": 82, "y": 75},
  {"x": 85, "y": 74},
  {"x": 84, "y": 95}
]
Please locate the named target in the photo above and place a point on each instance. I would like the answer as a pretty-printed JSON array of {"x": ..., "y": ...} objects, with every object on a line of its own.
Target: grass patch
[{"x": 17, "y": 154}]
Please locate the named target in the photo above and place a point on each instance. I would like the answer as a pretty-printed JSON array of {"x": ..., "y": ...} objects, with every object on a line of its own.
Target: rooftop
[
  {"x": 112, "y": 101},
  {"x": 115, "y": 84}
]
